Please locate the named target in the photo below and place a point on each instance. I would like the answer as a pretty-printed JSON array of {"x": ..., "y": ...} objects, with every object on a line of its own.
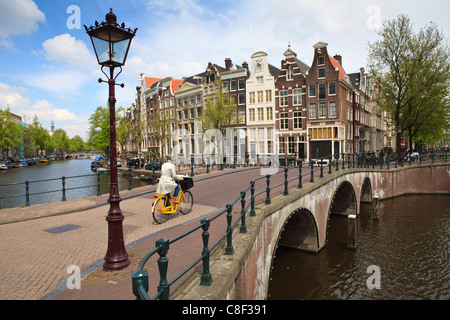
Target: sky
[{"x": 48, "y": 67}]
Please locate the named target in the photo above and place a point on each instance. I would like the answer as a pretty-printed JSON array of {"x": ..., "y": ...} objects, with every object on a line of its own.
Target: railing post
[
  {"x": 312, "y": 172},
  {"x": 300, "y": 185},
  {"x": 286, "y": 191},
  {"x": 353, "y": 161},
  {"x": 252, "y": 199},
  {"x": 99, "y": 193},
  {"x": 229, "y": 250},
  {"x": 268, "y": 201},
  {"x": 130, "y": 180},
  {"x": 63, "y": 179},
  {"x": 206, "y": 278},
  {"x": 243, "y": 228},
  {"x": 163, "y": 264},
  {"x": 138, "y": 278},
  {"x": 329, "y": 164},
  {"x": 343, "y": 161},
  {"x": 153, "y": 176},
  {"x": 321, "y": 167},
  {"x": 27, "y": 193},
  {"x": 207, "y": 168},
  {"x": 192, "y": 167},
  {"x": 337, "y": 162}
]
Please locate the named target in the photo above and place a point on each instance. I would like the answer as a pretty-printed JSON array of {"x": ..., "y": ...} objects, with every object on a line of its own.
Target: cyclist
[{"x": 167, "y": 182}]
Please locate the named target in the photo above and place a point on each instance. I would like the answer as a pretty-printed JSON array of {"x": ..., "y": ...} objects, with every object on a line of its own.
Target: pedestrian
[{"x": 167, "y": 182}]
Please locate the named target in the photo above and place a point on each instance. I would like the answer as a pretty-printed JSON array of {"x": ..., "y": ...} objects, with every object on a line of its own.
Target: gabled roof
[
  {"x": 304, "y": 68},
  {"x": 342, "y": 74},
  {"x": 176, "y": 84},
  {"x": 149, "y": 81},
  {"x": 274, "y": 71}
]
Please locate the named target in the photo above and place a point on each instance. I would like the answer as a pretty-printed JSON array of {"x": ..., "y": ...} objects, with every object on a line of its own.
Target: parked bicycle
[{"x": 163, "y": 206}]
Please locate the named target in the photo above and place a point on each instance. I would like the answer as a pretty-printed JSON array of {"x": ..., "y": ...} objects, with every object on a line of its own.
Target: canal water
[
  {"x": 80, "y": 182},
  {"x": 402, "y": 256}
]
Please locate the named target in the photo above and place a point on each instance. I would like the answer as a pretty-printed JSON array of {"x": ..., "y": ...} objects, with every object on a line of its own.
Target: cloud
[
  {"x": 12, "y": 96},
  {"x": 61, "y": 81},
  {"x": 67, "y": 49},
  {"x": 18, "y": 17}
]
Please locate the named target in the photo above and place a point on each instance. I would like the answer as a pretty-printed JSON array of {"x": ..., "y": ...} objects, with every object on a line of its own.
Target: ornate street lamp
[{"x": 111, "y": 44}]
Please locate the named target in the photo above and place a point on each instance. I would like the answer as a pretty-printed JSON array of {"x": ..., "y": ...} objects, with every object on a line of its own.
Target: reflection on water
[
  {"x": 80, "y": 182},
  {"x": 409, "y": 244}
]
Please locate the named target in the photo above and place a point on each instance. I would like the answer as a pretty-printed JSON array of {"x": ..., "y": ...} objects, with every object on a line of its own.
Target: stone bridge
[{"x": 300, "y": 220}]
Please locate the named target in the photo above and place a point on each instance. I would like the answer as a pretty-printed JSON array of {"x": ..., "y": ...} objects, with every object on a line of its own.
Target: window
[
  {"x": 199, "y": 98},
  {"x": 291, "y": 144},
  {"x": 297, "y": 119},
  {"x": 269, "y": 113},
  {"x": 297, "y": 97},
  {"x": 284, "y": 101},
  {"x": 290, "y": 74},
  {"x": 282, "y": 147},
  {"x": 179, "y": 115},
  {"x": 225, "y": 86},
  {"x": 172, "y": 102},
  {"x": 260, "y": 96},
  {"x": 192, "y": 99},
  {"x": 260, "y": 114},
  {"x": 211, "y": 89},
  {"x": 332, "y": 109},
  {"x": 321, "y": 73},
  {"x": 322, "y": 110},
  {"x": 332, "y": 88},
  {"x": 269, "y": 140},
  {"x": 252, "y": 97},
  {"x": 192, "y": 113},
  {"x": 251, "y": 114},
  {"x": 241, "y": 98},
  {"x": 185, "y": 114},
  {"x": 312, "y": 110},
  {"x": 233, "y": 85},
  {"x": 284, "y": 121},
  {"x": 241, "y": 84},
  {"x": 322, "y": 91},
  {"x": 312, "y": 90},
  {"x": 261, "y": 140},
  {"x": 268, "y": 95},
  {"x": 199, "y": 112},
  {"x": 320, "y": 61},
  {"x": 260, "y": 80}
]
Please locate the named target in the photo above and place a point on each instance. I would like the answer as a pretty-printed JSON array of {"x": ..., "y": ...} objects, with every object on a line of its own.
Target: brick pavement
[{"x": 35, "y": 262}]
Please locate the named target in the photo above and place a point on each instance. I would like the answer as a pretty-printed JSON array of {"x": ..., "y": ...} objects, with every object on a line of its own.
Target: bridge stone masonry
[{"x": 300, "y": 218}]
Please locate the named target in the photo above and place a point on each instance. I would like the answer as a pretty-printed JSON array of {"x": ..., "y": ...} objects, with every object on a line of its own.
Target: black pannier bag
[{"x": 186, "y": 183}]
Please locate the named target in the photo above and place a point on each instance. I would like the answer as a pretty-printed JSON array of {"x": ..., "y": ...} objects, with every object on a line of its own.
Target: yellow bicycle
[{"x": 163, "y": 206}]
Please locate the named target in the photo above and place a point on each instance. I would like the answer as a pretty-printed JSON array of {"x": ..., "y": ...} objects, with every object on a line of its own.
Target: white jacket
[{"x": 167, "y": 183}]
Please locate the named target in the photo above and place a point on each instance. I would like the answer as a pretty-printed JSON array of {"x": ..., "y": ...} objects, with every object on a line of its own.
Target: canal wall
[{"x": 245, "y": 274}]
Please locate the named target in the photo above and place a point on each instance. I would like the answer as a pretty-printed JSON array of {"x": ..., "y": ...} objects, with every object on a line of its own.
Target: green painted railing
[
  {"x": 140, "y": 277},
  {"x": 6, "y": 193}
]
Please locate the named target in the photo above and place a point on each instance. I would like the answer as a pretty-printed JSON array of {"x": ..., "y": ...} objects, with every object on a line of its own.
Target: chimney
[
  {"x": 228, "y": 64},
  {"x": 245, "y": 65},
  {"x": 338, "y": 58}
]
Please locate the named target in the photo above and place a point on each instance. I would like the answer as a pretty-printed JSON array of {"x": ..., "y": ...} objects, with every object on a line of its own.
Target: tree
[
  {"x": 413, "y": 76},
  {"x": 77, "y": 144},
  {"x": 11, "y": 132},
  {"x": 60, "y": 140},
  {"x": 99, "y": 128},
  {"x": 159, "y": 129},
  {"x": 220, "y": 111}
]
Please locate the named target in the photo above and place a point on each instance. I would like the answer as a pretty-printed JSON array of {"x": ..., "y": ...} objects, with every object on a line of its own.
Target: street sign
[{"x": 403, "y": 144}]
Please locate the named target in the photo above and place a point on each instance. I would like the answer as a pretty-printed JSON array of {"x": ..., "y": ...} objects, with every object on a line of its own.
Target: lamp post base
[{"x": 116, "y": 257}]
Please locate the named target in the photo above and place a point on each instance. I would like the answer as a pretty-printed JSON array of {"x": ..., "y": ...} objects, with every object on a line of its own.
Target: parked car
[
  {"x": 134, "y": 162},
  {"x": 153, "y": 164}
]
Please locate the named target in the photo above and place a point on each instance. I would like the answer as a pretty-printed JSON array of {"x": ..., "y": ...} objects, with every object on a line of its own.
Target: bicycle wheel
[
  {"x": 186, "y": 202},
  {"x": 157, "y": 209}
]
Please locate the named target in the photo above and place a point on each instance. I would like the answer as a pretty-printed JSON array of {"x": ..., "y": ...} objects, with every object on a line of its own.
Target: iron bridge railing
[{"x": 140, "y": 277}]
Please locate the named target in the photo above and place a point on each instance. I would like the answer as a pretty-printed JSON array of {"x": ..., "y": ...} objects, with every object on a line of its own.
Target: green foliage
[
  {"x": 412, "y": 71},
  {"x": 11, "y": 131}
]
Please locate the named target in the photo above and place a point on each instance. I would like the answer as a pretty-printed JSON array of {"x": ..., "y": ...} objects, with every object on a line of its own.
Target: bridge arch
[
  {"x": 366, "y": 190},
  {"x": 344, "y": 201},
  {"x": 299, "y": 231}
]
